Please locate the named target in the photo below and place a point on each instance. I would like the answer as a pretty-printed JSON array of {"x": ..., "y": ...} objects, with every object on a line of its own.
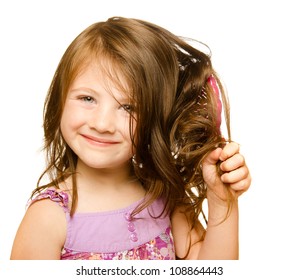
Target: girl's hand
[{"x": 226, "y": 168}]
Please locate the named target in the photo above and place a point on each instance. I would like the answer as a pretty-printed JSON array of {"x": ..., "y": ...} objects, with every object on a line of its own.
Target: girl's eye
[
  {"x": 127, "y": 107},
  {"x": 87, "y": 99}
]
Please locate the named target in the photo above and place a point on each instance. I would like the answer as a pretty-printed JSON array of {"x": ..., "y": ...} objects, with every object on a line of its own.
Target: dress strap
[{"x": 56, "y": 195}]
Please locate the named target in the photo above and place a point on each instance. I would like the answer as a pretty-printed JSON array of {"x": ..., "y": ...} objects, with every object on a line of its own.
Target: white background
[{"x": 254, "y": 46}]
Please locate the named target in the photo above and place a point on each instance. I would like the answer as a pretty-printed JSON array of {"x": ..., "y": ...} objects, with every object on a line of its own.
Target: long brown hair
[{"x": 175, "y": 108}]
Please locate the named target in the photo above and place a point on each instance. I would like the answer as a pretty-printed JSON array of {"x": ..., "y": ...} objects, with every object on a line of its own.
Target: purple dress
[{"x": 114, "y": 235}]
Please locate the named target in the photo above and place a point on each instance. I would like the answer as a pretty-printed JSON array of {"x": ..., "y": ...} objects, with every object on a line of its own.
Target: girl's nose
[{"x": 103, "y": 120}]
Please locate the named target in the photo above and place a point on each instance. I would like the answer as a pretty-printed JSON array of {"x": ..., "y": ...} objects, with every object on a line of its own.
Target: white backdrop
[{"x": 254, "y": 46}]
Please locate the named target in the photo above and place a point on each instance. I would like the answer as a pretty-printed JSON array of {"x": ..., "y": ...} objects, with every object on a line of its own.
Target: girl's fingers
[
  {"x": 233, "y": 163},
  {"x": 229, "y": 150},
  {"x": 238, "y": 178},
  {"x": 241, "y": 186}
]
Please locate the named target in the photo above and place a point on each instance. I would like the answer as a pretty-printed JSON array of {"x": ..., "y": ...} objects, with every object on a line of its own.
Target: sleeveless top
[{"x": 114, "y": 235}]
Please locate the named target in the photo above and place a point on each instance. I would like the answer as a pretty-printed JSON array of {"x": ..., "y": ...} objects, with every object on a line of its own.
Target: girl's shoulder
[{"x": 42, "y": 231}]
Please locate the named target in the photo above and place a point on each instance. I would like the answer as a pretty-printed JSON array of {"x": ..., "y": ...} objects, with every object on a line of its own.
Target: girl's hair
[{"x": 175, "y": 106}]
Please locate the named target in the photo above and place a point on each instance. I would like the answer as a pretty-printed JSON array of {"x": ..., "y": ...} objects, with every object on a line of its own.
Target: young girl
[{"x": 132, "y": 134}]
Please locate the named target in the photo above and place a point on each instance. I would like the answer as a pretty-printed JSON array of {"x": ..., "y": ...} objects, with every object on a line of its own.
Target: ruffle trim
[{"x": 55, "y": 195}]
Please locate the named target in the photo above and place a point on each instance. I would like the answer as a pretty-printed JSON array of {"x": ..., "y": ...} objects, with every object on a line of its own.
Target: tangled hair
[{"x": 175, "y": 108}]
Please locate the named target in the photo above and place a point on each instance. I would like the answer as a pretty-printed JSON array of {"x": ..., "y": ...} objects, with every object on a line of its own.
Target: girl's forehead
[{"x": 105, "y": 73}]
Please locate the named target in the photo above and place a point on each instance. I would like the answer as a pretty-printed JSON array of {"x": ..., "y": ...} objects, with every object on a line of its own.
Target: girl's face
[{"x": 95, "y": 121}]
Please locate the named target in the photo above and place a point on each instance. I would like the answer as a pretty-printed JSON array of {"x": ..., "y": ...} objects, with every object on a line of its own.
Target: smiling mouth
[{"x": 99, "y": 141}]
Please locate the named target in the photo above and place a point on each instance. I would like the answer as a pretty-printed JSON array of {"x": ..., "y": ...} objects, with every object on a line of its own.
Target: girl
[{"x": 132, "y": 134}]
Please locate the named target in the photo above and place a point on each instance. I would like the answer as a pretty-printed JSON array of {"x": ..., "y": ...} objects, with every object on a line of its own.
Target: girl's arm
[
  {"x": 221, "y": 236},
  {"x": 41, "y": 234}
]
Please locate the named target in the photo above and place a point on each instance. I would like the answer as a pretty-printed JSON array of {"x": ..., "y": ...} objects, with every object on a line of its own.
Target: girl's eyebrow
[
  {"x": 89, "y": 90},
  {"x": 122, "y": 99}
]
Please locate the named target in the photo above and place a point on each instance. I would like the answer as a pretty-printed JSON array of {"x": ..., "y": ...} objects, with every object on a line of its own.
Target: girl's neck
[
  {"x": 100, "y": 179},
  {"x": 97, "y": 188}
]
